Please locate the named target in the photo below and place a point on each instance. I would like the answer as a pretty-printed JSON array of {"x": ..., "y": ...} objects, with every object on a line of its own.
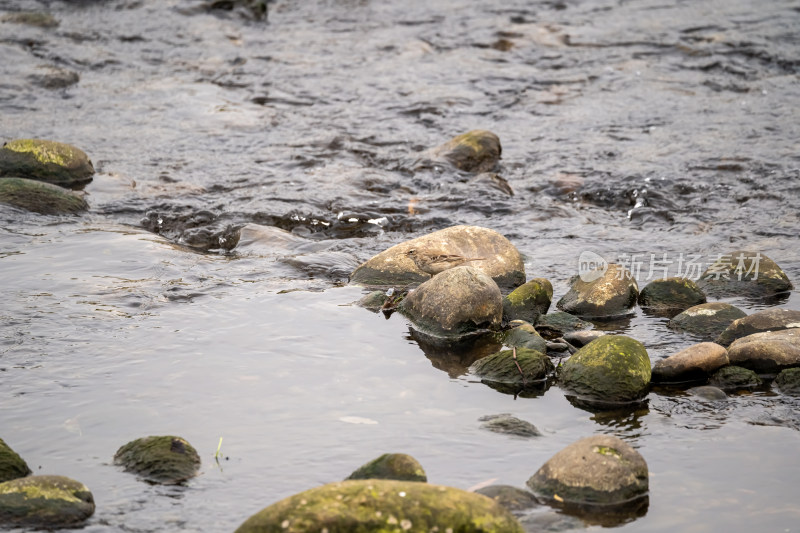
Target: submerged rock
[
  {"x": 706, "y": 320},
  {"x": 708, "y": 392},
  {"x": 375, "y": 505},
  {"x": 558, "y": 324},
  {"x": 743, "y": 273},
  {"x": 595, "y": 471},
  {"x": 580, "y": 339},
  {"x": 40, "y": 197},
  {"x": 612, "y": 294},
  {"x": 39, "y": 19},
  {"x": 12, "y": 466},
  {"x": 502, "y": 368},
  {"x": 397, "y": 466},
  {"x": 511, "y": 498},
  {"x": 788, "y": 381},
  {"x": 166, "y": 459},
  {"x": 48, "y": 161},
  {"x": 768, "y": 352},
  {"x": 695, "y": 362},
  {"x": 44, "y": 502},
  {"x": 524, "y": 336},
  {"x": 528, "y": 301},
  {"x": 509, "y": 425},
  {"x": 759, "y": 322},
  {"x": 455, "y": 303},
  {"x": 613, "y": 368},
  {"x": 734, "y": 377},
  {"x": 474, "y": 151},
  {"x": 480, "y": 248},
  {"x": 671, "y": 294}
]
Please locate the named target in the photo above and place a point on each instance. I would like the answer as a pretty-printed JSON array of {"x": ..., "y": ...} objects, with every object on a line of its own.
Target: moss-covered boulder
[
  {"x": 377, "y": 505},
  {"x": 166, "y": 460},
  {"x": 397, "y": 466},
  {"x": 480, "y": 248},
  {"x": 455, "y": 303},
  {"x": 511, "y": 498},
  {"x": 44, "y": 502},
  {"x": 530, "y": 366},
  {"x": 474, "y": 151},
  {"x": 528, "y": 301},
  {"x": 524, "y": 336},
  {"x": 696, "y": 362},
  {"x": 671, "y": 294},
  {"x": 40, "y": 197},
  {"x": 509, "y": 425},
  {"x": 768, "y": 352},
  {"x": 734, "y": 377},
  {"x": 612, "y": 294},
  {"x": 49, "y": 161},
  {"x": 12, "y": 466},
  {"x": 559, "y": 323},
  {"x": 743, "y": 273},
  {"x": 595, "y": 471},
  {"x": 613, "y": 368},
  {"x": 706, "y": 321},
  {"x": 788, "y": 381},
  {"x": 759, "y": 322}
]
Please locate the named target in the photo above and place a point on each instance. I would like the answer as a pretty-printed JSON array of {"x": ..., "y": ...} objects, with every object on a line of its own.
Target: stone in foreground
[
  {"x": 528, "y": 301},
  {"x": 376, "y": 505},
  {"x": 612, "y": 294},
  {"x": 693, "y": 363},
  {"x": 768, "y": 352},
  {"x": 44, "y": 502},
  {"x": 397, "y": 466},
  {"x": 48, "y": 161},
  {"x": 759, "y": 322},
  {"x": 671, "y": 294},
  {"x": 166, "y": 460},
  {"x": 12, "y": 466},
  {"x": 595, "y": 471},
  {"x": 487, "y": 250},
  {"x": 744, "y": 273},
  {"x": 502, "y": 368},
  {"x": 706, "y": 321},
  {"x": 40, "y": 197}
]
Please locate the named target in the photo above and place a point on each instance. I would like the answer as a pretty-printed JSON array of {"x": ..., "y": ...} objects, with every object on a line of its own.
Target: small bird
[{"x": 435, "y": 263}]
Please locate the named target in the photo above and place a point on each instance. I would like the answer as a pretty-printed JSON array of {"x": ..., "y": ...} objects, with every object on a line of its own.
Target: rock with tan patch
[
  {"x": 609, "y": 294},
  {"x": 706, "y": 321},
  {"x": 693, "y": 363},
  {"x": 759, "y": 322},
  {"x": 44, "y": 502},
  {"x": 49, "y": 161},
  {"x": 744, "y": 273},
  {"x": 768, "y": 352}
]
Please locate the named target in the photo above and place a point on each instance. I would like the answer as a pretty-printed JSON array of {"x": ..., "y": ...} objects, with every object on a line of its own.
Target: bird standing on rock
[{"x": 435, "y": 263}]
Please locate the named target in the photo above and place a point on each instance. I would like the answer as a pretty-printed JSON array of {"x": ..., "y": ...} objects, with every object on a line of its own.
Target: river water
[{"x": 628, "y": 129}]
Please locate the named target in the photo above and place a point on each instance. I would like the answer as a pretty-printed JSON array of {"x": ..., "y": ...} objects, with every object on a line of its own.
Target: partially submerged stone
[
  {"x": 734, "y": 377},
  {"x": 501, "y": 367},
  {"x": 558, "y": 324},
  {"x": 509, "y": 425},
  {"x": 40, "y": 197},
  {"x": 481, "y": 248},
  {"x": 613, "y": 368},
  {"x": 706, "y": 321},
  {"x": 474, "y": 151},
  {"x": 455, "y": 303},
  {"x": 44, "y": 502},
  {"x": 397, "y": 466},
  {"x": 595, "y": 471},
  {"x": 744, "y": 273},
  {"x": 166, "y": 460},
  {"x": 768, "y": 352},
  {"x": 48, "y": 161},
  {"x": 708, "y": 392},
  {"x": 39, "y": 19},
  {"x": 375, "y": 505},
  {"x": 671, "y": 294},
  {"x": 788, "y": 381},
  {"x": 580, "y": 339},
  {"x": 524, "y": 336},
  {"x": 528, "y": 301},
  {"x": 612, "y": 294},
  {"x": 693, "y": 363},
  {"x": 12, "y": 466},
  {"x": 511, "y": 498},
  {"x": 775, "y": 319}
]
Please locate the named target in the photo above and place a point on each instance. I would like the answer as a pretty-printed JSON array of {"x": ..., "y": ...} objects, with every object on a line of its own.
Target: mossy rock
[
  {"x": 511, "y": 498},
  {"x": 768, "y": 352},
  {"x": 12, "y": 466},
  {"x": 397, "y": 466},
  {"x": 474, "y": 151},
  {"x": 671, "y": 294},
  {"x": 788, "y": 381},
  {"x": 501, "y": 368},
  {"x": 506, "y": 424},
  {"x": 613, "y": 294},
  {"x": 696, "y": 362},
  {"x": 744, "y": 273},
  {"x": 372, "y": 301},
  {"x": 528, "y": 301},
  {"x": 759, "y": 322},
  {"x": 524, "y": 336},
  {"x": 377, "y": 505},
  {"x": 40, "y": 197},
  {"x": 557, "y": 324},
  {"x": 166, "y": 460},
  {"x": 735, "y": 377},
  {"x": 44, "y": 501},
  {"x": 613, "y": 368},
  {"x": 52, "y": 162},
  {"x": 706, "y": 321}
]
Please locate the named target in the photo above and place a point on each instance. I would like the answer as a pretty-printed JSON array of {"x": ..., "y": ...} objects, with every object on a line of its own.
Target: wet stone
[
  {"x": 52, "y": 162},
  {"x": 788, "y": 381},
  {"x": 768, "y": 352},
  {"x": 524, "y": 336},
  {"x": 759, "y": 322},
  {"x": 474, "y": 151},
  {"x": 45, "y": 502},
  {"x": 734, "y": 377},
  {"x": 528, "y": 301},
  {"x": 671, "y": 294},
  {"x": 397, "y": 466},
  {"x": 40, "y": 197},
  {"x": 744, "y": 273},
  {"x": 558, "y": 324},
  {"x": 693, "y": 363},
  {"x": 502, "y": 368},
  {"x": 580, "y": 339},
  {"x": 166, "y": 460},
  {"x": 708, "y": 392},
  {"x": 610, "y": 294},
  {"x": 39, "y": 19},
  {"x": 509, "y": 425},
  {"x": 373, "y": 301},
  {"x": 55, "y": 78},
  {"x": 706, "y": 321},
  {"x": 12, "y": 466},
  {"x": 512, "y": 498}
]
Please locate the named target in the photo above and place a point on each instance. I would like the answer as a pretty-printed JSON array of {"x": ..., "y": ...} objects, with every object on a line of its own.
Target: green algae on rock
[
  {"x": 613, "y": 368},
  {"x": 474, "y": 151},
  {"x": 501, "y": 367},
  {"x": 734, "y": 377},
  {"x": 397, "y": 466},
  {"x": 524, "y": 336},
  {"x": 611, "y": 294},
  {"x": 12, "y": 466},
  {"x": 528, "y": 301},
  {"x": 49, "y": 161},
  {"x": 671, "y": 294},
  {"x": 166, "y": 460},
  {"x": 768, "y": 352},
  {"x": 744, "y": 273},
  {"x": 759, "y": 322},
  {"x": 40, "y": 197},
  {"x": 706, "y": 321},
  {"x": 509, "y": 425},
  {"x": 788, "y": 381},
  {"x": 554, "y": 325},
  {"x": 377, "y": 505},
  {"x": 44, "y": 501},
  {"x": 693, "y": 363}
]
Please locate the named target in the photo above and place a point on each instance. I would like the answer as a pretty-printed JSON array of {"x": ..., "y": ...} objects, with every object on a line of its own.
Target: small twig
[{"x": 516, "y": 362}]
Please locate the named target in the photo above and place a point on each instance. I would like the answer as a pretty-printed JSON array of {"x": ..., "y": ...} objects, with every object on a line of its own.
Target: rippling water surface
[{"x": 627, "y": 128}]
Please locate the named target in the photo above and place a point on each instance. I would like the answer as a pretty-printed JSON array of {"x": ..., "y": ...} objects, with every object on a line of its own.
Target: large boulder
[
  {"x": 743, "y": 273},
  {"x": 706, "y": 321},
  {"x": 612, "y": 368},
  {"x": 612, "y": 294},
  {"x": 759, "y": 322},
  {"x": 530, "y": 366},
  {"x": 671, "y": 294},
  {"x": 12, "y": 466},
  {"x": 481, "y": 248},
  {"x": 455, "y": 303},
  {"x": 693, "y": 363},
  {"x": 397, "y": 466},
  {"x": 474, "y": 151},
  {"x": 366, "y": 506},
  {"x": 44, "y": 502},
  {"x": 768, "y": 352},
  {"x": 528, "y": 301},
  {"x": 40, "y": 197},
  {"x": 49, "y": 161},
  {"x": 164, "y": 459}
]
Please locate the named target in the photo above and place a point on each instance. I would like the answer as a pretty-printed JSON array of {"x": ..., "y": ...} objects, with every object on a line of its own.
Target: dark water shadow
[{"x": 455, "y": 356}]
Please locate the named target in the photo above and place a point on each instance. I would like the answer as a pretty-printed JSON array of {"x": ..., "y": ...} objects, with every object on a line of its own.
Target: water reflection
[{"x": 455, "y": 357}]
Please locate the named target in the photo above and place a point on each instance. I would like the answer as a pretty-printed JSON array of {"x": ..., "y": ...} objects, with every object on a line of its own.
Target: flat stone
[
  {"x": 774, "y": 319},
  {"x": 768, "y": 352},
  {"x": 509, "y": 425},
  {"x": 695, "y": 362},
  {"x": 706, "y": 321}
]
